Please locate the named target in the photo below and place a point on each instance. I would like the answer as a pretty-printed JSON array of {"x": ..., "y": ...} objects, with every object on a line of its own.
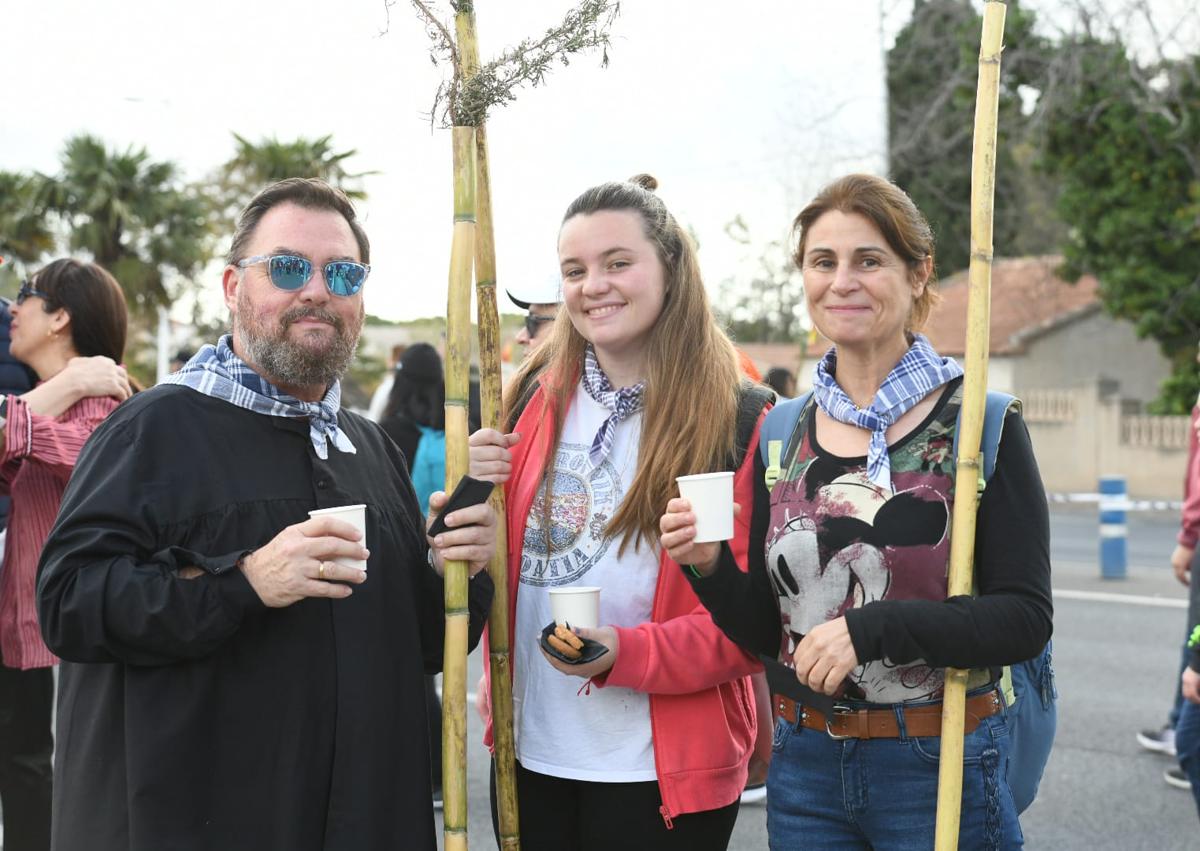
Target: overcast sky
[{"x": 735, "y": 108}]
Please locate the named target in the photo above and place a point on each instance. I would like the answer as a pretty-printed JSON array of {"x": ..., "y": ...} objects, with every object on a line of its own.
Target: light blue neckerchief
[
  {"x": 216, "y": 371},
  {"x": 911, "y": 380}
]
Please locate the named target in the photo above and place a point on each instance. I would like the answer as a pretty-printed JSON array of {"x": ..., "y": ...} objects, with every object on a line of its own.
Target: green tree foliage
[
  {"x": 1124, "y": 142},
  {"x": 931, "y": 79},
  {"x": 255, "y": 165},
  {"x": 135, "y": 216},
  {"x": 24, "y": 233},
  {"x": 765, "y": 303}
]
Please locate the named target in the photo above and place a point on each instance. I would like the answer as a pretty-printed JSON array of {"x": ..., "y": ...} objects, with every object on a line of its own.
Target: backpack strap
[
  {"x": 996, "y": 409},
  {"x": 781, "y": 420},
  {"x": 752, "y": 398},
  {"x": 777, "y": 430}
]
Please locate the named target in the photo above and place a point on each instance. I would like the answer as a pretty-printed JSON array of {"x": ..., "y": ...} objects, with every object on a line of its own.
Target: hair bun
[{"x": 646, "y": 181}]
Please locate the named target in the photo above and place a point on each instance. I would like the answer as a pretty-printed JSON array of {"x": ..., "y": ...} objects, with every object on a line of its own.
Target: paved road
[
  {"x": 1115, "y": 662},
  {"x": 1075, "y": 535}
]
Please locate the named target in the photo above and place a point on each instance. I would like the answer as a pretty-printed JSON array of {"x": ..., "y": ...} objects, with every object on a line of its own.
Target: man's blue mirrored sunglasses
[{"x": 289, "y": 272}]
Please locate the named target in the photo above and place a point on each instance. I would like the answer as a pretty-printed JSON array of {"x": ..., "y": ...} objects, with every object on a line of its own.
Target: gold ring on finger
[{"x": 321, "y": 571}]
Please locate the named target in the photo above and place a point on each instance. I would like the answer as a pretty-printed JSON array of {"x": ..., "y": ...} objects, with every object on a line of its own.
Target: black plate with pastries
[{"x": 591, "y": 651}]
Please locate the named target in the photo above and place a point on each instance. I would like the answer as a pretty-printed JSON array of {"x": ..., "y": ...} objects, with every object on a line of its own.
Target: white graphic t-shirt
[{"x": 604, "y": 734}]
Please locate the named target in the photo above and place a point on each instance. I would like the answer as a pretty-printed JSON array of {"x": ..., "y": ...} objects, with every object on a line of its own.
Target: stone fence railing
[
  {"x": 1050, "y": 406},
  {"x": 1155, "y": 432}
]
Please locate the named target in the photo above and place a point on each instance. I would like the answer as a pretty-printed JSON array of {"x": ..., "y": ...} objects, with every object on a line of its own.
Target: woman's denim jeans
[{"x": 825, "y": 793}]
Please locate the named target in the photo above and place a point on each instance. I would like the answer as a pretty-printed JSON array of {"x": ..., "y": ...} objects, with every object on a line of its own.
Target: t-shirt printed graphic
[
  {"x": 584, "y": 500},
  {"x": 561, "y": 729},
  {"x": 837, "y": 542}
]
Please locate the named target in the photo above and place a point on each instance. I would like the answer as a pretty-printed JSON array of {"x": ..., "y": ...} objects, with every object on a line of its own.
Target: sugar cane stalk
[
  {"x": 500, "y": 660},
  {"x": 966, "y": 503},
  {"x": 463, "y": 103},
  {"x": 458, "y": 357},
  {"x": 490, "y": 392}
]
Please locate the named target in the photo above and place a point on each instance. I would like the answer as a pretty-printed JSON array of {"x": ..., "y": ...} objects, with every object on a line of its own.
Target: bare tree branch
[{"x": 467, "y": 102}]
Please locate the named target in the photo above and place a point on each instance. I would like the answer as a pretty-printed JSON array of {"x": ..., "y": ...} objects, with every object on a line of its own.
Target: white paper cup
[
  {"x": 356, "y": 516},
  {"x": 576, "y": 605},
  {"x": 711, "y": 496}
]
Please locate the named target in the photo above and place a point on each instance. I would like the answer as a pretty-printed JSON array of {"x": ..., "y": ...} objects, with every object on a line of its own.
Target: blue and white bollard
[{"x": 1113, "y": 531}]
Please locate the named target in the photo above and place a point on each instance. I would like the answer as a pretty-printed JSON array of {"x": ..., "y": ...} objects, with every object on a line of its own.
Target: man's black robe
[{"x": 191, "y": 716}]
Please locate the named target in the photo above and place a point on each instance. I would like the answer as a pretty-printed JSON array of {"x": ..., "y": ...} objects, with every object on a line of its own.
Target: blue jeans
[
  {"x": 824, "y": 793},
  {"x": 1187, "y": 745}
]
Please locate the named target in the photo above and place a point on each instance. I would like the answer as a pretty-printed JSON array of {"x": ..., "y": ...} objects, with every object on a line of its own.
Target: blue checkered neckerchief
[
  {"x": 623, "y": 403},
  {"x": 216, "y": 371},
  {"x": 918, "y": 372}
]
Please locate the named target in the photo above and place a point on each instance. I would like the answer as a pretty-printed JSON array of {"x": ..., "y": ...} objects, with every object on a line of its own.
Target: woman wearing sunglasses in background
[
  {"x": 68, "y": 326},
  {"x": 647, "y": 746}
]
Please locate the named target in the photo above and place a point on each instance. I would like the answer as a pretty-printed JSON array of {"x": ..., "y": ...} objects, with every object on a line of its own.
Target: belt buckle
[{"x": 829, "y": 719}]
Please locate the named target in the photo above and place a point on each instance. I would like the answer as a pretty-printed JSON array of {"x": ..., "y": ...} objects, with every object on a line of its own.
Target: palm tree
[
  {"x": 25, "y": 235},
  {"x": 253, "y": 166},
  {"x": 134, "y": 215}
]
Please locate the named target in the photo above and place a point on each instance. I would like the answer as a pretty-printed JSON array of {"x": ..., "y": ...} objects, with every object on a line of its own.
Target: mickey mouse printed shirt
[{"x": 836, "y": 542}]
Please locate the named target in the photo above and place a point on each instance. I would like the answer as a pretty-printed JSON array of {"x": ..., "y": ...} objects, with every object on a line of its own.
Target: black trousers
[
  {"x": 433, "y": 713},
  {"x": 26, "y": 745},
  {"x": 578, "y": 815}
]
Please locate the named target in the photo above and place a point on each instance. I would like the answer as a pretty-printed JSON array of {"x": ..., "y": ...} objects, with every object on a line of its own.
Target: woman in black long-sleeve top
[{"x": 850, "y": 549}]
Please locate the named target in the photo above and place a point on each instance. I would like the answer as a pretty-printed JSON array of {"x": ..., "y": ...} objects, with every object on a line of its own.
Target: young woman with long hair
[{"x": 647, "y": 746}]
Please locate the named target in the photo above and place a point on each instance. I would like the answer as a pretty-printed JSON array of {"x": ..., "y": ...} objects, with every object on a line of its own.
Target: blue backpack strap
[
  {"x": 995, "y": 410},
  {"x": 777, "y": 430},
  {"x": 1028, "y": 686}
]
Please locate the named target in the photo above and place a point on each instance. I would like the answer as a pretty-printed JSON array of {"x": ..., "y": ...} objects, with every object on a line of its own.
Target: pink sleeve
[
  {"x": 679, "y": 656},
  {"x": 52, "y": 442},
  {"x": 1189, "y": 527},
  {"x": 688, "y": 653}
]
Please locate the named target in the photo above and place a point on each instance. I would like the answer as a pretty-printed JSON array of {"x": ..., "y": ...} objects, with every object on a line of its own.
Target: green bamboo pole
[
  {"x": 458, "y": 359},
  {"x": 490, "y": 395},
  {"x": 966, "y": 483}
]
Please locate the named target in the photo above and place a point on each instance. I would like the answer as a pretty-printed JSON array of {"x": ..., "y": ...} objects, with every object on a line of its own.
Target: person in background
[
  {"x": 1182, "y": 558},
  {"x": 1187, "y": 728},
  {"x": 849, "y": 550},
  {"x": 379, "y": 399},
  {"x": 542, "y": 299},
  {"x": 747, "y": 366},
  {"x": 415, "y": 419},
  {"x": 647, "y": 746},
  {"x": 181, "y": 357},
  {"x": 15, "y": 379},
  {"x": 68, "y": 326},
  {"x": 781, "y": 380}
]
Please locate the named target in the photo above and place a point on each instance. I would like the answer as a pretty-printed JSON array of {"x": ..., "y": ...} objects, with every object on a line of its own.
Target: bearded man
[{"x": 228, "y": 682}]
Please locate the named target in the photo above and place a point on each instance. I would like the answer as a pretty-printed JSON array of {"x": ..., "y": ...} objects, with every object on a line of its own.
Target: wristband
[{"x": 691, "y": 568}]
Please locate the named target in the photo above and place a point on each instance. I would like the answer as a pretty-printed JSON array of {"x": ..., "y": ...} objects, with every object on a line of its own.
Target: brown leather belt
[{"x": 881, "y": 723}]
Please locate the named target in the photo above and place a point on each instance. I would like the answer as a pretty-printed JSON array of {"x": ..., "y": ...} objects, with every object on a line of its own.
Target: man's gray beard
[{"x": 285, "y": 362}]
